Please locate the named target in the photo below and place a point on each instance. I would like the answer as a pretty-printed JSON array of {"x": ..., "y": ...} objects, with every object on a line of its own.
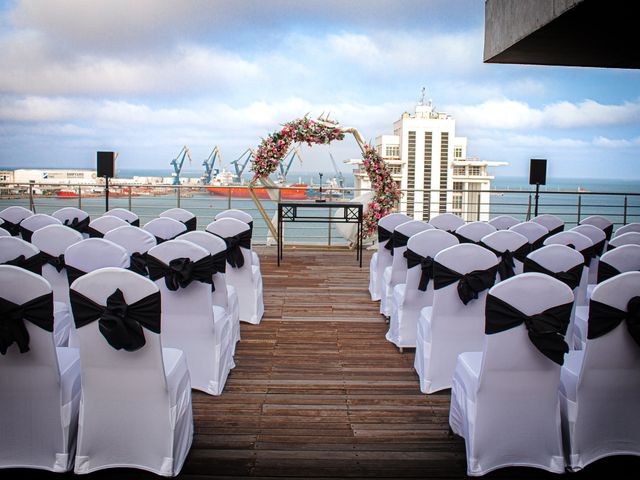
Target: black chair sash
[
  {"x": 135, "y": 223},
  {"x": 32, "y": 263},
  {"x": 38, "y": 311},
  {"x": 234, "y": 245},
  {"x": 74, "y": 273},
  {"x": 191, "y": 224},
  {"x": 426, "y": 265},
  {"x": 598, "y": 248},
  {"x": 93, "y": 233},
  {"x": 558, "y": 229},
  {"x": 537, "y": 244},
  {"x": 606, "y": 271},
  {"x": 11, "y": 227},
  {"x": 603, "y": 318},
  {"x": 138, "y": 263},
  {"x": 506, "y": 266},
  {"x": 469, "y": 285},
  {"x": 546, "y": 329},
  {"x": 181, "y": 271},
  {"x": 78, "y": 225},
  {"x": 462, "y": 239},
  {"x": 608, "y": 231},
  {"x": 120, "y": 324},
  {"x": 218, "y": 265},
  {"x": 571, "y": 277},
  {"x": 250, "y": 227},
  {"x": 397, "y": 240},
  {"x": 160, "y": 240},
  {"x": 25, "y": 233},
  {"x": 56, "y": 262},
  {"x": 383, "y": 234}
]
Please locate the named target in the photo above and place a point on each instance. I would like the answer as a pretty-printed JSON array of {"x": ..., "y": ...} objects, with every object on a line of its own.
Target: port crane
[
  {"x": 178, "y": 162},
  {"x": 288, "y": 160},
  {"x": 208, "y": 164},
  {"x": 339, "y": 176},
  {"x": 244, "y": 157}
]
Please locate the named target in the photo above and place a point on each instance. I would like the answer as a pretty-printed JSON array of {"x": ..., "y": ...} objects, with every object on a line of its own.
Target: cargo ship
[{"x": 222, "y": 185}]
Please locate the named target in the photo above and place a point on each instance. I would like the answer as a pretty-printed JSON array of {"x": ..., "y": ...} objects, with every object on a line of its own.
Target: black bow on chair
[
  {"x": 234, "y": 245},
  {"x": 120, "y": 324},
  {"x": 603, "y": 318},
  {"x": 191, "y": 224},
  {"x": 385, "y": 235},
  {"x": 426, "y": 265},
  {"x": 138, "y": 263},
  {"x": 546, "y": 329},
  {"x": 38, "y": 311},
  {"x": 181, "y": 271},
  {"x": 397, "y": 240},
  {"x": 11, "y": 227},
  {"x": 78, "y": 225},
  {"x": 571, "y": 277},
  {"x": 506, "y": 267},
  {"x": 469, "y": 285},
  {"x": 55, "y": 262},
  {"x": 33, "y": 263}
]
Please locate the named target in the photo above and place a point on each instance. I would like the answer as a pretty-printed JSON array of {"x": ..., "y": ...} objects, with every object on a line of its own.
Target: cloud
[{"x": 616, "y": 143}]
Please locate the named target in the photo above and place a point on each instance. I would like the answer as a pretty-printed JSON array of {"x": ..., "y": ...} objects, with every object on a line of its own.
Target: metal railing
[{"x": 147, "y": 201}]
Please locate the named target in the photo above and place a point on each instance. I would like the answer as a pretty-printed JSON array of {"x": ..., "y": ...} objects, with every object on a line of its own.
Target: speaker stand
[
  {"x": 535, "y": 211},
  {"x": 106, "y": 194}
]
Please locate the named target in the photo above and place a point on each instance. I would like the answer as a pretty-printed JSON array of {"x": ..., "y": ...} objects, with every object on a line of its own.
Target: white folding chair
[
  {"x": 629, "y": 227},
  {"x": 397, "y": 272},
  {"x": 510, "y": 247},
  {"x": 473, "y": 232},
  {"x": 551, "y": 222},
  {"x": 504, "y": 398},
  {"x": 243, "y": 217},
  {"x": 503, "y": 222},
  {"x": 75, "y": 218},
  {"x": 136, "y": 396},
  {"x": 417, "y": 290},
  {"x": 190, "y": 321},
  {"x": 447, "y": 221},
  {"x": 629, "y": 238},
  {"x": 241, "y": 274},
  {"x": 34, "y": 222},
  {"x": 600, "y": 385},
  {"x": 165, "y": 228},
  {"x": 454, "y": 324},
  {"x": 40, "y": 391},
  {"x": 534, "y": 232},
  {"x": 598, "y": 239},
  {"x": 564, "y": 264},
  {"x": 382, "y": 258},
  {"x": 126, "y": 215},
  {"x": 88, "y": 255},
  {"x": 101, "y": 225},
  {"x": 224, "y": 295},
  {"x": 12, "y": 216},
  {"x": 184, "y": 216}
]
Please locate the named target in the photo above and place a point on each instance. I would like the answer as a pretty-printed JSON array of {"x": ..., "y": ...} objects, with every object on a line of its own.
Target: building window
[
  {"x": 475, "y": 170},
  {"x": 457, "y": 152},
  {"x": 392, "y": 151},
  {"x": 459, "y": 170},
  {"x": 458, "y": 186},
  {"x": 444, "y": 155},
  {"x": 457, "y": 202}
]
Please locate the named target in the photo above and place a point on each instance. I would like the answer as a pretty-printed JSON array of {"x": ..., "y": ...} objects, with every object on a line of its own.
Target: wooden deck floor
[{"x": 318, "y": 392}]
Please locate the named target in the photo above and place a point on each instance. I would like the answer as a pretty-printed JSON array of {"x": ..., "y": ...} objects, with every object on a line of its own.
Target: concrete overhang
[{"x": 587, "y": 33}]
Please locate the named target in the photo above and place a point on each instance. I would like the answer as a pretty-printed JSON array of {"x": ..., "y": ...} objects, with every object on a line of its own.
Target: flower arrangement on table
[{"x": 273, "y": 148}]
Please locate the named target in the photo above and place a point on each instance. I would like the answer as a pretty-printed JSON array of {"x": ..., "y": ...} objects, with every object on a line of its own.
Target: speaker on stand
[
  {"x": 537, "y": 177},
  {"x": 106, "y": 168}
]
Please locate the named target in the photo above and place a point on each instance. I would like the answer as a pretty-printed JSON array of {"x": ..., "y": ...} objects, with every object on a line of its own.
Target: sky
[{"x": 146, "y": 77}]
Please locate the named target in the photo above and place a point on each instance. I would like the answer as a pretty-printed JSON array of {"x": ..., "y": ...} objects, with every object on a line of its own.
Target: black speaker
[
  {"x": 106, "y": 164},
  {"x": 538, "y": 171}
]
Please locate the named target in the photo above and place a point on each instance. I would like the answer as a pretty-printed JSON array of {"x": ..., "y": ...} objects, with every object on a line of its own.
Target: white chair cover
[
  {"x": 560, "y": 258},
  {"x": 504, "y": 399},
  {"x": 247, "y": 279},
  {"x": 447, "y": 221},
  {"x": 598, "y": 238},
  {"x": 34, "y": 222},
  {"x": 243, "y": 217},
  {"x": 534, "y": 232},
  {"x": 74, "y": 218},
  {"x": 397, "y": 272},
  {"x": 165, "y": 228},
  {"x": 126, "y": 215},
  {"x": 12, "y": 216},
  {"x": 629, "y": 238},
  {"x": 501, "y": 241},
  {"x": 191, "y": 323},
  {"x": 601, "y": 222},
  {"x": 581, "y": 243},
  {"x": 40, "y": 391},
  {"x": 450, "y": 327},
  {"x": 132, "y": 239},
  {"x": 91, "y": 254},
  {"x": 382, "y": 258},
  {"x": 474, "y": 231},
  {"x": 408, "y": 300},
  {"x": 504, "y": 222},
  {"x": 105, "y": 223},
  {"x": 224, "y": 295},
  {"x": 136, "y": 405},
  {"x": 630, "y": 227},
  {"x": 183, "y": 216},
  {"x": 600, "y": 385},
  {"x": 551, "y": 222}
]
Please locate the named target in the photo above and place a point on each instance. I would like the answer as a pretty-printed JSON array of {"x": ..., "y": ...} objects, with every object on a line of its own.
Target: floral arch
[{"x": 274, "y": 147}]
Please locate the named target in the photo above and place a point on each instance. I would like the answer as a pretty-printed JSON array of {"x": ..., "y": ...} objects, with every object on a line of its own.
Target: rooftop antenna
[{"x": 423, "y": 93}]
